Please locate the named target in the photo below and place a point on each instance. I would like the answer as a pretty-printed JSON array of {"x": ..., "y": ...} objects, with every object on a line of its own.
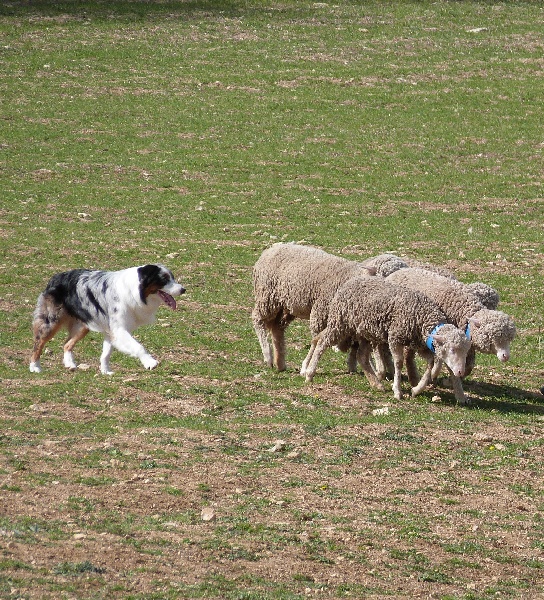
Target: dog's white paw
[
  {"x": 69, "y": 362},
  {"x": 105, "y": 368},
  {"x": 35, "y": 367},
  {"x": 149, "y": 362}
]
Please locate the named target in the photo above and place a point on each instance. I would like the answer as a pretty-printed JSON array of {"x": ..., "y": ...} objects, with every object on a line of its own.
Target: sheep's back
[
  {"x": 292, "y": 278},
  {"x": 379, "y": 311},
  {"x": 450, "y": 295}
]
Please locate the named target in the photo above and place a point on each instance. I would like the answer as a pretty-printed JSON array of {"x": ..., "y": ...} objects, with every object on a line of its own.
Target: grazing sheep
[
  {"x": 413, "y": 263},
  {"x": 385, "y": 264},
  {"x": 490, "y": 331},
  {"x": 487, "y": 295},
  {"x": 294, "y": 281},
  {"x": 388, "y": 263},
  {"x": 373, "y": 312}
]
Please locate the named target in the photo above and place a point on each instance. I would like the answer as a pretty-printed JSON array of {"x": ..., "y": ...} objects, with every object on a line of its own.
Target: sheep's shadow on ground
[{"x": 502, "y": 398}]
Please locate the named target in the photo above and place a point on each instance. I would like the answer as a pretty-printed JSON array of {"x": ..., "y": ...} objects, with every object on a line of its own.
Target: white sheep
[
  {"x": 388, "y": 263},
  {"x": 371, "y": 312},
  {"x": 487, "y": 295},
  {"x": 295, "y": 281},
  {"x": 490, "y": 331}
]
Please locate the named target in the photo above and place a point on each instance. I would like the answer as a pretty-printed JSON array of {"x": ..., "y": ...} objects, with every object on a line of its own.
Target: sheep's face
[
  {"x": 493, "y": 333},
  {"x": 451, "y": 346}
]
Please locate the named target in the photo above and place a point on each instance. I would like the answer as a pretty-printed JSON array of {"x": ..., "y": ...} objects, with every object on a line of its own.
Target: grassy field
[{"x": 197, "y": 133}]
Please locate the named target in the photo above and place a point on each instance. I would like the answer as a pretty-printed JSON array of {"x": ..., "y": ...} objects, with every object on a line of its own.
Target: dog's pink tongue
[{"x": 167, "y": 299}]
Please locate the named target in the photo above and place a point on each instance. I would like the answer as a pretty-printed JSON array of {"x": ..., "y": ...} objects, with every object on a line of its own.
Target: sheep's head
[
  {"x": 385, "y": 264},
  {"x": 487, "y": 295},
  {"x": 451, "y": 346},
  {"x": 492, "y": 332}
]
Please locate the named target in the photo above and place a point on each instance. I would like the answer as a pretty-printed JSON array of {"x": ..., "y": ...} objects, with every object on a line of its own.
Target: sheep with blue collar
[
  {"x": 373, "y": 312},
  {"x": 490, "y": 331}
]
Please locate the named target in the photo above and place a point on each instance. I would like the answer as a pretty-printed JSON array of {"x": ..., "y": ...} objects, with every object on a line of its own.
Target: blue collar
[
  {"x": 467, "y": 331},
  {"x": 430, "y": 340}
]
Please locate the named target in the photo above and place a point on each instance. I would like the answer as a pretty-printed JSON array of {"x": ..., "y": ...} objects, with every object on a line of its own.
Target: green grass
[{"x": 197, "y": 133}]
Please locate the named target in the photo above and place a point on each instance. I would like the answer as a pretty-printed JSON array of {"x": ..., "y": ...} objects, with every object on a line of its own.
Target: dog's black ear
[{"x": 147, "y": 275}]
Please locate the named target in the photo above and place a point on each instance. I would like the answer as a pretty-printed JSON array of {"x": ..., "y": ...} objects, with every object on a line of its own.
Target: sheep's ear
[
  {"x": 371, "y": 270},
  {"x": 475, "y": 323},
  {"x": 439, "y": 338}
]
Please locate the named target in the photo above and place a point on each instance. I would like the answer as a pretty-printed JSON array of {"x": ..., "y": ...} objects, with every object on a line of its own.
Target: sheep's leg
[
  {"x": 458, "y": 389},
  {"x": 425, "y": 379},
  {"x": 437, "y": 367},
  {"x": 411, "y": 367},
  {"x": 378, "y": 360},
  {"x": 319, "y": 345},
  {"x": 387, "y": 361},
  {"x": 277, "y": 330},
  {"x": 352, "y": 357},
  {"x": 278, "y": 346},
  {"x": 363, "y": 357},
  {"x": 306, "y": 361},
  {"x": 471, "y": 361},
  {"x": 262, "y": 335},
  {"x": 397, "y": 351}
]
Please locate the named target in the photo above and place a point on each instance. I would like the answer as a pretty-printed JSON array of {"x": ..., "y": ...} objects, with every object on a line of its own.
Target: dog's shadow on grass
[{"x": 502, "y": 398}]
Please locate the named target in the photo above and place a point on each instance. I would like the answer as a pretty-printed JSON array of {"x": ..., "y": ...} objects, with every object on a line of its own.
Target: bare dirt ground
[{"x": 365, "y": 510}]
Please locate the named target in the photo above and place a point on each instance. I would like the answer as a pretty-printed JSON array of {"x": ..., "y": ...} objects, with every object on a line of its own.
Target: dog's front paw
[
  {"x": 149, "y": 362},
  {"x": 105, "y": 368},
  {"x": 35, "y": 367},
  {"x": 69, "y": 362}
]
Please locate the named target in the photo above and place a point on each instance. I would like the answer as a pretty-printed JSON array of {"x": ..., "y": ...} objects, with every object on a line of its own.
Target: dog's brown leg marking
[
  {"x": 43, "y": 333},
  {"x": 49, "y": 318},
  {"x": 77, "y": 333}
]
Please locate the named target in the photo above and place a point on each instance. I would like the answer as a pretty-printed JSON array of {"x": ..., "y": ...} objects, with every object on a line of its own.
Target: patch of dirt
[{"x": 367, "y": 506}]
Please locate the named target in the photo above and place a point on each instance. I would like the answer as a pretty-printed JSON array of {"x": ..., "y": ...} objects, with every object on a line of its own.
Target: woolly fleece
[
  {"x": 377, "y": 312},
  {"x": 492, "y": 330},
  {"x": 295, "y": 281}
]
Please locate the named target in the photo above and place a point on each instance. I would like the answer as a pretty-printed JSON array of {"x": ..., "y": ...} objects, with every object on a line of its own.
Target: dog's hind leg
[
  {"x": 48, "y": 319},
  {"x": 76, "y": 331}
]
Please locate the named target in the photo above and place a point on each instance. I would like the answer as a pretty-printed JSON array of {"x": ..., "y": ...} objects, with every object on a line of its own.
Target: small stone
[
  {"x": 379, "y": 412},
  {"x": 436, "y": 399},
  {"x": 294, "y": 454},
  {"x": 482, "y": 437},
  {"x": 207, "y": 514},
  {"x": 278, "y": 446}
]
